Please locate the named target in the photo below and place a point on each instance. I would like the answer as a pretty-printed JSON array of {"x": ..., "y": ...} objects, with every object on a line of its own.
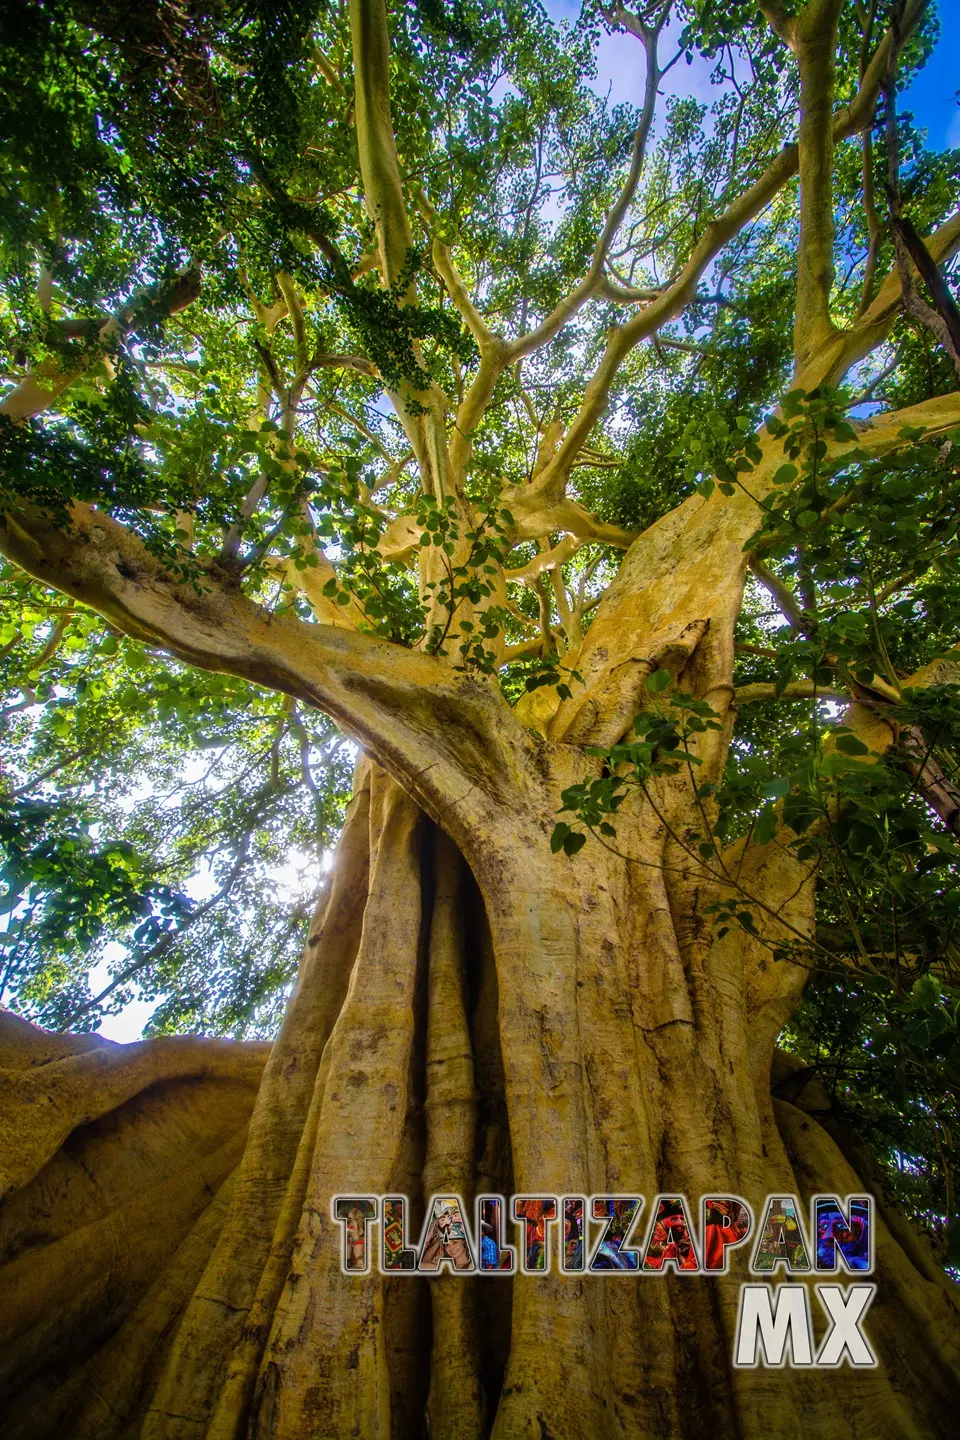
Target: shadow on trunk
[{"x": 171, "y": 1268}]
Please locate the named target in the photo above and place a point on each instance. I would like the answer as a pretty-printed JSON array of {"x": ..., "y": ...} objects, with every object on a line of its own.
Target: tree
[{"x": 580, "y": 886}]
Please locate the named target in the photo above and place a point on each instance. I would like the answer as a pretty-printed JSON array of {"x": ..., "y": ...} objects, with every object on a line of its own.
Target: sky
[
  {"x": 933, "y": 100},
  {"x": 933, "y": 95}
]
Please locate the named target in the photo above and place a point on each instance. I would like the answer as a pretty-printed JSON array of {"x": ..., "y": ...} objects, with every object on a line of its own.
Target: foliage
[
  {"x": 870, "y": 547},
  {"x": 151, "y": 818},
  {"x": 188, "y": 260}
]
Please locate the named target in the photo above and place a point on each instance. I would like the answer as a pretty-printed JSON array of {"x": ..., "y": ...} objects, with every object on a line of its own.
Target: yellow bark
[{"x": 569, "y": 1027}]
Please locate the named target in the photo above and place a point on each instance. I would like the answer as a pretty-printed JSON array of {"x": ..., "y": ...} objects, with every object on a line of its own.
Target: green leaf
[
  {"x": 861, "y": 838},
  {"x": 765, "y": 826},
  {"x": 926, "y": 990},
  {"x": 851, "y": 745},
  {"x": 659, "y": 680}
]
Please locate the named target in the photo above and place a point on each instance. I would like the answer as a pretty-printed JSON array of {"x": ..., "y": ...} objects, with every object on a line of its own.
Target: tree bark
[
  {"x": 501, "y": 1020},
  {"x": 472, "y": 1013}
]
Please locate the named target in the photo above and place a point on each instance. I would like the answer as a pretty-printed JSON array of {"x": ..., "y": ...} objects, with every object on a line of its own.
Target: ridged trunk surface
[{"x": 520, "y": 1023}]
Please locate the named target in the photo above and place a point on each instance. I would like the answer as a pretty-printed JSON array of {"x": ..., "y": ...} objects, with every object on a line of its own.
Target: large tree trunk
[
  {"x": 472, "y": 1012},
  {"x": 521, "y": 1022}
]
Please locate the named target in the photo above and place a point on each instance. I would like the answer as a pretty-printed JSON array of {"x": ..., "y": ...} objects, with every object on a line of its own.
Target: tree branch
[
  {"x": 943, "y": 321},
  {"x": 36, "y": 393},
  {"x": 846, "y": 347},
  {"x": 450, "y": 275},
  {"x": 594, "y": 278},
  {"x": 379, "y": 166},
  {"x": 294, "y": 303},
  {"x": 814, "y": 36},
  {"x": 448, "y": 738},
  {"x": 796, "y": 690},
  {"x": 778, "y": 20},
  {"x": 781, "y": 593},
  {"x": 322, "y": 359},
  {"x": 546, "y": 560},
  {"x": 717, "y": 233},
  {"x": 692, "y": 562}
]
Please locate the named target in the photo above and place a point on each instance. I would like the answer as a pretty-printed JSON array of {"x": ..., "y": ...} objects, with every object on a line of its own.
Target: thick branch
[
  {"x": 535, "y": 520},
  {"x": 449, "y": 738},
  {"x": 363, "y": 366},
  {"x": 781, "y": 593},
  {"x": 379, "y": 165},
  {"x": 492, "y": 365},
  {"x": 873, "y": 724},
  {"x": 717, "y": 233},
  {"x": 546, "y": 560},
  {"x": 847, "y": 347},
  {"x": 816, "y": 43},
  {"x": 692, "y": 563},
  {"x": 423, "y": 422},
  {"x": 294, "y": 303},
  {"x": 310, "y": 582},
  {"x": 778, "y": 20},
  {"x": 451, "y": 278},
  {"x": 36, "y": 393}
]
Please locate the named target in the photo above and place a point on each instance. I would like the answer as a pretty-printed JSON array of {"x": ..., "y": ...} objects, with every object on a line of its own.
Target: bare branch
[
  {"x": 379, "y": 165},
  {"x": 493, "y": 362},
  {"x": 608, "y": 289},
  {"x": 526, "y": 650},
  {"x": 595, "y": 278},
  {"x": 846, "y": 347},
  {"x": 869, "y": 390},
  {"x": 396, "y": 464},
  {"x": 546, "y": 560},
  {"x": 450, "y": 276},
  {"x": 535, "y": 520},
  {"x": 784, "y": 597},
  {"x": 796, "y": 690},
  {"x": 310, "y": 578},
  {"x": 323, "y": 359},
  {"x": 294, "y": 303},
  {"x": 327, "y": 70}
]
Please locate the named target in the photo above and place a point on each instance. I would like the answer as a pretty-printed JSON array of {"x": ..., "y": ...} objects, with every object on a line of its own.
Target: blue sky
[
  {"x": 933, "y": 95},
  {"x": 932, "y": 98}
]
